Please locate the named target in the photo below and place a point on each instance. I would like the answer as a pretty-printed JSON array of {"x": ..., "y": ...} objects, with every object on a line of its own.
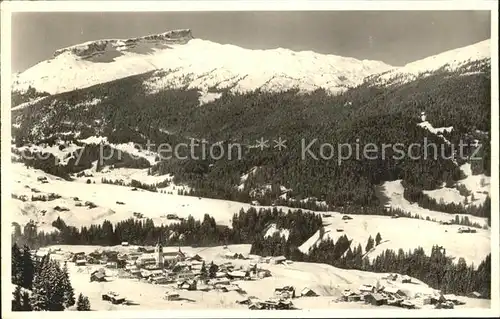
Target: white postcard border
[{"x": 7, "y": 8}]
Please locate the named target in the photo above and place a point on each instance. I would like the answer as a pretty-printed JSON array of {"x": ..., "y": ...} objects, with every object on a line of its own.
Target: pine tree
[
  {"x": 79, "y": 302},
  {"x": 212, "y": 270},
  {"x": 83, "y": 303},
  {"x": 17, "y": 266},
  {"x": 69, "y": 294},
  {"x": 28, "y": 270},
  {"x": 204, "y": 272},
  {"x": 48, "y": 289},
  {"x": 16, "y": 301},
  {"x": 369, "y": 244},
  {"x": 38, "y": 299},
  {"x": 378, "y": 238},
  {"x": 26, "y": 305},
  {"x": 86, "y": 303}
]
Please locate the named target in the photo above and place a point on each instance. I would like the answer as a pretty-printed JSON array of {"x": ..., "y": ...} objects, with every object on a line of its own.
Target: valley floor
[{"x": 327, "y": 281}]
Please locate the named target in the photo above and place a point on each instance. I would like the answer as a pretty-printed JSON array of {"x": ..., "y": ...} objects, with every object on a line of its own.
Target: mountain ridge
[
  {"x": 244, "y": 70},
  {"x": 175, "y": 59}
]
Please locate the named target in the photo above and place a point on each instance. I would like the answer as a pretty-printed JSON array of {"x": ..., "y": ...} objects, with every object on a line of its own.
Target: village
[{"x": 179, "y": 272}]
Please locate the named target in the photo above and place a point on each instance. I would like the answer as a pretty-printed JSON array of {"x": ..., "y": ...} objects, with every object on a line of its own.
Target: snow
[
  {"x": 472, "y": 247},
  {"x": 271, "y": 230},
  {"x": 394, "y": 191},
  {"x": 157, "y": 206},
  {"x": 136, "y": 151},
  {"x": 479, "y": 184},
  {"x": 219, "y": 66},
  {"x": 450, "y": 60},
  {"x": 447, "y": 195},
  {"x": 94, "y": 140},
  {"x": 63, "y": 156},
  {"x": 154, "y": 205},
  {"x": 316, "y": 202},
  {"x": 244, "y": 177},
  {"x": 126, "y": 175},
  {"x": 435, "y": 130},
  {"x": 207, "y": 97},
  {"x": 29, "y": 103}
]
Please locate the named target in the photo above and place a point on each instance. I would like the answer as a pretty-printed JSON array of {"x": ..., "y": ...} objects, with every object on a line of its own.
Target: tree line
[
  {"x": 251, "y": 227},
  {"x": 246, "y": 225},
  {"x": 41, "y": 285}
]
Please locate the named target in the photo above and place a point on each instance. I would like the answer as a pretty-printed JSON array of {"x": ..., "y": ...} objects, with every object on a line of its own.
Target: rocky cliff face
[{"x": 93, "y": 48}]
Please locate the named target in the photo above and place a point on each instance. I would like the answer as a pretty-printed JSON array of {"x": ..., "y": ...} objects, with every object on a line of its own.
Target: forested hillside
[{"x": 123, "y": 111}]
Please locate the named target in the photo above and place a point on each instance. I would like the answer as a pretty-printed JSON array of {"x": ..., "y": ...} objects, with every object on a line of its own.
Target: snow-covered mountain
[
  {"x": 451, "y": 60},
  {"x": 181, "y": 61},
  {"x": 184, "y": 61}
]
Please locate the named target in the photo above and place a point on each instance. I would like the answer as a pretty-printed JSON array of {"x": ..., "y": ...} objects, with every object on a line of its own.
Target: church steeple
[{"x": 159, "y": 253}]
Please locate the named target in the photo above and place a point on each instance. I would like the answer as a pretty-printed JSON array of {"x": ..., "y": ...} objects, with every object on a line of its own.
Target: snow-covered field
[
  {"x": 105, "y": 196},
  {"x": 327, "y": 281},
  {"x": 446, "y": 195},
  {"x": 154, "y": 205}
]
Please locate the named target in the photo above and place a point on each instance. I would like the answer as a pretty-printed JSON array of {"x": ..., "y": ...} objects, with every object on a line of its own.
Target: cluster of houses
[
  {"x": 392, "y": 295},
  {"x": 270, "y": 304},
  {"x": 183, "y": 272},
  {"x": 191, "y": 273},
  {"x": 280, "y": 301}
]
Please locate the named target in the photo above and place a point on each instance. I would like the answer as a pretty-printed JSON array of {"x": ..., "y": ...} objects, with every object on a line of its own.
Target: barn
[
  {"x": 172, "y": 296},
  {"x": 98, "y": 276},
  {"x": 279, "y": 259},
  {"x": 285, "y": 292},
  {"x": 376, "y": 299},
  {"x": 306, "y": 292},
  {"x": 81, "y": 262}
]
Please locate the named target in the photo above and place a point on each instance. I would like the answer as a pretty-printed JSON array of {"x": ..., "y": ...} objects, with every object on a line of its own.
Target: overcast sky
[{"x": 395, "y": 37}]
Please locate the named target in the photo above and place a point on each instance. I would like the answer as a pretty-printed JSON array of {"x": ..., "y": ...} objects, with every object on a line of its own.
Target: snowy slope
[
  {"x": 450, "y": 60},
  {"x": 394, "y": 191},
  {"x": 114, "y": 203},
  {"x": 196, "y": 63},
  {"x": 394, "y": 231},
  {"x": 479, "y": 185}
]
